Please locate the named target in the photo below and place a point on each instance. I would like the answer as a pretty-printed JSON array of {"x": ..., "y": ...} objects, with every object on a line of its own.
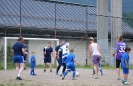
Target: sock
[
  {"x": 18, "y": 75},
  {"x": 66, "y": 73},
  {"x": 33, "y": 71},
  {"x": 74, "y": 74},
  {"x": 61, "y": 69},
  {"x": 93, "y": 71},
  {"x": 101, "y": 70}
]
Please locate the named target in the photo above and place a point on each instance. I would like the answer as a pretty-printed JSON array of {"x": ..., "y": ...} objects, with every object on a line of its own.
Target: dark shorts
[
  {"x": 96, "y": 59},
  {"x": 18, "y": 59},
  {"x": 24, "y": 59},
  {"x": 125, "y": 70},
  {"x": 118, "y": 63},
  {"x": 47, "y": 60},
  {"x": 72, "y": 68}
]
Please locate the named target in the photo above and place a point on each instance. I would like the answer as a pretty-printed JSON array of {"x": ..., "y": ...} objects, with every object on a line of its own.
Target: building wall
[{"x": 79, "y": 50}]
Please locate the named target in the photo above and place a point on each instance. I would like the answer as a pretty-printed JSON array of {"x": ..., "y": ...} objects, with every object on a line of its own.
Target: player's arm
[
  {"x": 58, "y": 53},
  {"x": 33, "y": 58},
  {"x": 117, "y": 48},
  {"x": 90, "y": 48},
  {"x": 43, "y": 55},
  {"x": 12, "y": 51},
  {"x": 99, "y": 50},
  {"x": 126, "y": 58},
  {"x": 23, "y": 51}
]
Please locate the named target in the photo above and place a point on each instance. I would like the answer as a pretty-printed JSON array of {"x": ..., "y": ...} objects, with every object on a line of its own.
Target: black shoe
[
  {"x": 51, "y": 71},
  {"x": 24, "y": 68},
  {"x": 34, "y": 74},
  {"x": 62, "y": 78},
  {"x": 44, "y": 70},
  {"x": 18, "y": 78}
]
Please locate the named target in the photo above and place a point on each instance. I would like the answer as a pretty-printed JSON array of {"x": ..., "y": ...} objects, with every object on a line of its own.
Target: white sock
[
  {"x": 61, "y": 68},
  {"x": 18, "y": 75}
]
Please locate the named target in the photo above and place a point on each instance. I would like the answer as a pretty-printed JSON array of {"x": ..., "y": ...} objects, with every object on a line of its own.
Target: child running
[
  {"x": 70, "y": 65},
  {"x": 32, "y": 64},
  {"x": 125, "y": 65}
]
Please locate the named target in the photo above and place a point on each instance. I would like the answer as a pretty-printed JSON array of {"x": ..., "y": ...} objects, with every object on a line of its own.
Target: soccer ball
[{"x": 77, "y": 74}]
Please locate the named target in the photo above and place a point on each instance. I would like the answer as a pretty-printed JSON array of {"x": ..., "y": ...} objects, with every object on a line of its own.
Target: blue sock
[
  {"x": 74, "y": 73},
  {"x": 33, "y": 70},
  {"x": 101, "y": 70},
  {"x": 66, "y": 73}
]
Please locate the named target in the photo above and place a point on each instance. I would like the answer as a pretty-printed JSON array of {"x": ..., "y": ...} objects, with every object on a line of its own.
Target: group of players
[{"x": 66, "y": 58}]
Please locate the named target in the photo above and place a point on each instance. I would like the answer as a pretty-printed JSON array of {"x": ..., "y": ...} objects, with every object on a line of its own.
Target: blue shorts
[
  {"x": 64, "y": 60},
  {"x": 18, "y": 59},
  {"x": 72, "y": 68},
  {"x": 96, "y": 59},
  {"x": 125, "y": 70},
  {"x": 47, "y": 60}
]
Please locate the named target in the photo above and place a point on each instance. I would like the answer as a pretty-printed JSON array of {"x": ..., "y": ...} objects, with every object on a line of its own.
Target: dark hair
[
  {"x": 71, "y": 50},
  {"x": 20, "y": 38},
  {"x": 127, "y": 49},
  {"x": 49, "y": 42},
  {"x": 67, "y": 40}
]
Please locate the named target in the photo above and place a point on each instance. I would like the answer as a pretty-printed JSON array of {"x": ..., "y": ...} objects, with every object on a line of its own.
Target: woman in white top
[{"x": 95, "y": 54}]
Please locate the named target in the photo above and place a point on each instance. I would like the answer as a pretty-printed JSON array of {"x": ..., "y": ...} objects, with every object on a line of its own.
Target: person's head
[
  {"x": 61, "y": 43},
  {"x": 71, "y": 50},
  {"x": 20, "y": 39},
  {"x": 49, "y": 44},
  {"x": 67, "y": 41},
  {"x": 127, "y": 49},
  {"x": 91, "y": 39},
  {"x": 120, "y": 38},
  {"x": 33, "y": 53}
]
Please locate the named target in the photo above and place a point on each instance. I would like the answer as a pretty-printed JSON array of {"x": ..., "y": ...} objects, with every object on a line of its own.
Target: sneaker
[
  {"x": 18, "y": 78},
  {"x": 62, "y": 78},
  {"x": 44, "y": 70},
  {"x": 95, "y": 76},
  {"x": 119, "y": 78},
  {"x": 122, "y": 81},
  {"x": 51, "y": 71},
  {"x": 126, "y": 83},
  {"x": 93, "y": 73},
  {"x": 34, "y": 74},
  {"x": 60, "y": 74},
  {"x": 74, "y": 79},
  {"x": 24, "y": 68}
]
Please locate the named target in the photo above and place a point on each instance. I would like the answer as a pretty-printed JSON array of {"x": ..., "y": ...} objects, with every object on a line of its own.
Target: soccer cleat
[
  {"x": 60, "y": 74},
  {"x": 119, "y": 78},
  {"x": 18, "y": 78},
  {"x": 24, "y": 68},
  {"x": 51, "y": 71},
  {"x": 95, "y": 76},
  {"x": 126, "y": 83},
  {"x": 44, "y": 70},
  {"x": 122, "y": 81},
  {"x": 93, "y": 73}
]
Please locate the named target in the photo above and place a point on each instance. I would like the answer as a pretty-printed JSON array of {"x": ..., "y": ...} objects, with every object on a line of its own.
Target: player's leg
[
  {"x": 24, "y": 63},
  {"x": 126, "y": 76},
  {"x": 100, "y": 68},
  {"x": 45, "y": 62},
  {"x": 93, "y": 71},
  {"x": 66, "y": 72},
  {"x": 118, "y": 68},
  {"x": 74, "y": 72},
  {"x": 50, "y": 64},
  {"x": 64, "y": 67},
  {"x": 59, "y": 65}
]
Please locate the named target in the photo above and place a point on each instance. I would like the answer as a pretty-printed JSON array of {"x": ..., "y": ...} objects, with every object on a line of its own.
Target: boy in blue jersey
[
  {"x": 19, "y": 51},
  {"x": 70, "y": 65},
  {"x": 32, "y": 64},
  {"x": 125, "y": 65}
]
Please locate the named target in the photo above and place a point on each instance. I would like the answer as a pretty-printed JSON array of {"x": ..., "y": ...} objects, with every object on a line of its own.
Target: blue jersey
[
  {"x": 32, "y": 61},
  {"x": 125, "y": 56},
  {"x": 47, "y": 51},
  {"x": 56, "y": 49},
  {"x": 70, "y": 59},
  {"x": 17, "y": 47}
]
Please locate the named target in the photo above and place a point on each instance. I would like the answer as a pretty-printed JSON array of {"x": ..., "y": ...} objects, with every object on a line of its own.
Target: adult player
[
  {"x": 95, "y": 54},
  {"x": 18, "y": 51},
  {"x": 120, "y": 49},
  {"x": 25, "y": 58},
  {"x": 64, "y": 50},
  {"x": 59, "y": 58},
  {"x": 47, "y": 52}
]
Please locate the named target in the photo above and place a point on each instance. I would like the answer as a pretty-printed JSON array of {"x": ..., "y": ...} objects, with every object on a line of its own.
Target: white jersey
[
  {"x": 68, "y": 45},
  {"x": 94, "y": 47},
  {"x": 64, "y": 49}
]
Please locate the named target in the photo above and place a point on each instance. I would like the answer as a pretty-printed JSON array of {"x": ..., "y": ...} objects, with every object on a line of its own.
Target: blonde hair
[
  {"x": 32, "y": 52},
  {"x": 120, "y": 37}
]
